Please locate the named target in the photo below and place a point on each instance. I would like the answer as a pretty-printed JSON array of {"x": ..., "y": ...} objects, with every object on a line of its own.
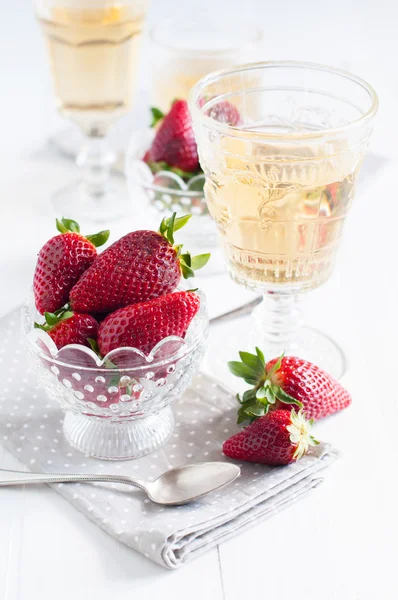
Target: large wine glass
[
  {"x": 93, "y": 46},
  {"x": 279, "y": 187}
]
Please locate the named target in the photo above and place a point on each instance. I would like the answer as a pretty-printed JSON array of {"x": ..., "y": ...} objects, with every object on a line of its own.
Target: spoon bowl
[{"x": 190, "y": 482}]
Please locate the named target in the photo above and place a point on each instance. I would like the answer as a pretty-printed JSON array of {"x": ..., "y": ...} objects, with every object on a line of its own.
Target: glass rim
[
  {"x": 241, "y": 132},
  {"x": 187, "y": 50}
]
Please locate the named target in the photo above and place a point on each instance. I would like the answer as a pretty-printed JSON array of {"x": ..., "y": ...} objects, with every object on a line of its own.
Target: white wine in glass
[
  {"x": 279, "y": 187},
  {"x": 93, "y": 47}
]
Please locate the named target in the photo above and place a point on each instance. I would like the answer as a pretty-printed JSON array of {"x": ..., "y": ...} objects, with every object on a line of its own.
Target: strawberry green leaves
[
  {"x": 99, "y": 239},
  {"x": 185, "y": 264},
  {"x": 94, "y": 347},
  {"x": 52, "y": 319},
  {"x": 157, "y": 115},
  {"x": 244, "y": 371},
  {"x": 251, "y": 369},
  {"x": 189, "y": 264},
  {"x": 199, "y": 261},
  {"x": 71, "y": 226},
  {"x": 266, "y": 393},
  {"x": 170, "y": 225},
  {"x": 67, "y": 225},
  {"x": 161, "y": 165}
]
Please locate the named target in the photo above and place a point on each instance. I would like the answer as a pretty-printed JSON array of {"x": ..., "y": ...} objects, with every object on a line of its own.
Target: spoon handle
[
  {"x": 241, "y": 311},
  {"x": 22, "y": 478}
]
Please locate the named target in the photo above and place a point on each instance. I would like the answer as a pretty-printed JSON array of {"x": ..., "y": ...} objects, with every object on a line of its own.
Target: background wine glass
[
  {"x": 280, "y": 186},
  {"x": 93, "y": 46},
  {"x": 185, "y": 49}
]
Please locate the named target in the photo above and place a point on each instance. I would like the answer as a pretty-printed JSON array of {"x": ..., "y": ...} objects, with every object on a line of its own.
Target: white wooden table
[{"x": 339, "y": 543}]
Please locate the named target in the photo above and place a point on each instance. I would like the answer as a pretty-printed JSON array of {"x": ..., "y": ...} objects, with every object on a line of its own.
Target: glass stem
[
  {"x": 95, "y": 160},
  {"x": 278, "y": 317}
]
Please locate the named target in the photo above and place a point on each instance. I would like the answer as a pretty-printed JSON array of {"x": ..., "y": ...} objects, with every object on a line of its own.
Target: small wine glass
[
  {"x": 279, "y": 187},
  {"x": 93, "y": 46},
  {"x": 186, "y": 48}
]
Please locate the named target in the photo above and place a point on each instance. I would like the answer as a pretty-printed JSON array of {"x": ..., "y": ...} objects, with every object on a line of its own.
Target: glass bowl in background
[
  {"x": 117, "y": 407},
  {"x": 157, "y": 196}
]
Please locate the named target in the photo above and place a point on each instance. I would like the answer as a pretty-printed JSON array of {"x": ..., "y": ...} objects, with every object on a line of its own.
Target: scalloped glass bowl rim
[
  {"x": 185, "y": 349},
  {"x": 172, "y": 191}
]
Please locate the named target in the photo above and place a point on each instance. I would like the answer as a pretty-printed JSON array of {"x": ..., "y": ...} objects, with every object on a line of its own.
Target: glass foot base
[
  {"x": 118, "y": 440},
  {"x": 73, "y": 201},
  {"x": 227, "y": 339}
]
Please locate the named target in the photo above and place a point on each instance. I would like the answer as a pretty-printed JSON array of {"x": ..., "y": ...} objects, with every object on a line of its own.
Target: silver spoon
[{"x": 174, "y": 487}]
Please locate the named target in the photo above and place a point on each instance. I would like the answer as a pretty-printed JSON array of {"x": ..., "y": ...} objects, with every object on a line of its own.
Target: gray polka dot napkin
[{"x": 31, "y": 428}]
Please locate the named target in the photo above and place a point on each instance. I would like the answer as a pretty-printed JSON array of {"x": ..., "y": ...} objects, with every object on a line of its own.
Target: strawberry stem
[
  {"x": 264, "y": 395},
  {"x": 156, "y": 167},
  {"x": 71, "y": 226},
  {"x": 189, "y": 264},
  {"x": 300, "y": 433},
  {"x": 67, "y": 225},
  {"x": 52, "y": 319}
]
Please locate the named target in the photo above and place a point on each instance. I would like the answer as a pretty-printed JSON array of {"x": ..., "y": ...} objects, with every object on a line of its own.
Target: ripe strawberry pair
[
  {"x": 277, "y": 435},
  {"x": 129, "y": 287}
]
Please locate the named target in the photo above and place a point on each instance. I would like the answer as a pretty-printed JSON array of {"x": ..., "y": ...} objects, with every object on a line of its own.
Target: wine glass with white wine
[
  {"x": 279, "y": 186},
  {"x": 93, "y": 46}
]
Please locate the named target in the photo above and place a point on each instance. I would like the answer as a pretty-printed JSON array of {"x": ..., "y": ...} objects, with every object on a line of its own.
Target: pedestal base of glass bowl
[
  {"x": 227, "y": 338},
  {"x": 102, "y": 438},
  {"x": 75, "y": 200}
]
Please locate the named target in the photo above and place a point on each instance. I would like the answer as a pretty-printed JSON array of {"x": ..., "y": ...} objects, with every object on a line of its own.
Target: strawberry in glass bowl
[
  {"x": 162, "y": 168},
  {"x": 127, "y": 341}
]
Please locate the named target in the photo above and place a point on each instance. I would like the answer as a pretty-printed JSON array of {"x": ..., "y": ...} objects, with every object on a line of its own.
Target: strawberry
[
  {"x": 225, "y": 112},
  {"x": 139, "y": 267},
  {"x": 61, "y": 261},
  {"x": 66, "y": 327},
  {"x": 174, "y": 144},
  {"x": 145, "y": 324},
  {"x": 285, "y": 381},
  {"x": 278, "y": 438}
]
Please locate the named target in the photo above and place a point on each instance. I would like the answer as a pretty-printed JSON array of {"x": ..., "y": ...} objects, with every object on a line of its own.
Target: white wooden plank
[{"x": 63, "y": 551}]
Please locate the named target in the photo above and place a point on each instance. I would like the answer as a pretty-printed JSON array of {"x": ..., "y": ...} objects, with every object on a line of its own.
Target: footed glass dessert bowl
[{"x": 117, "y": 407}]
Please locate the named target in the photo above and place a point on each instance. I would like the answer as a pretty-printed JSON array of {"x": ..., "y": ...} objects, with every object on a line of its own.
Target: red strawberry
[
  {"x": 174, "y": 143},
  {"x": 69, "y": 328},
  {"x": 286, "y": 381},
  {"x": 278, "y": 438},
  {"x": 61, "y": 261},
  {"x": 140, "y": 266},
  {"x": 145, "y": 324},
  {"x": 225, "y": 112},
  {"x": 332, "y": 190}
]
